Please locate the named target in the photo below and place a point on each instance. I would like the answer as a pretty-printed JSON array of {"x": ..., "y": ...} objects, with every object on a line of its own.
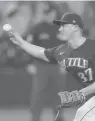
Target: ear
[{"x": 76, "y": 27}]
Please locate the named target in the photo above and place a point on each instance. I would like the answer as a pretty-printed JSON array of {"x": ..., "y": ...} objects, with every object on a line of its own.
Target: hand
[{"x": 14, "y": 36}]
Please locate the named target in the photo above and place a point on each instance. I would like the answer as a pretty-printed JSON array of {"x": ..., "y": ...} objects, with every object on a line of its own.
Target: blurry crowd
[{"x": 33, "y": 21}]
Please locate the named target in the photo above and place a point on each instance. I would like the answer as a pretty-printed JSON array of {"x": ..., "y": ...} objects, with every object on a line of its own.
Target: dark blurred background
[{"x": 29, "y": 87}]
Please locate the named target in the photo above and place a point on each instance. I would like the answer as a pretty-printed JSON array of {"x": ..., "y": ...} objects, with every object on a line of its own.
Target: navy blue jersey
[{"x": 79, "y": 62}]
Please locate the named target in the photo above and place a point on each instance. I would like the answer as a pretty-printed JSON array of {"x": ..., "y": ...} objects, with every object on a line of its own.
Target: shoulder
[
  {"x": 61, "y": 47},
  {"x": 57, "y": 48},
  {"x": 89, "y": 44},
  {"x": 90, "y": 41}
]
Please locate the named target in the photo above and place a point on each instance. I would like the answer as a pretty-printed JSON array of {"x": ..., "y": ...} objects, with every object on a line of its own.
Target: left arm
[
  {"x": 88, "y": 90},
  {"x": 76, "y": 97}
]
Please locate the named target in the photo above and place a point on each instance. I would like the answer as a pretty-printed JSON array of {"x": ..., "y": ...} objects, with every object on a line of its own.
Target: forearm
[
  {"x": 88, "y": 90},
  {"x": 32, "y": 49}
]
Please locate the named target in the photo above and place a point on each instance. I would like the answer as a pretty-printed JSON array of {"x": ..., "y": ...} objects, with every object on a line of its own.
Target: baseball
[{"x": 7, "y": 27}]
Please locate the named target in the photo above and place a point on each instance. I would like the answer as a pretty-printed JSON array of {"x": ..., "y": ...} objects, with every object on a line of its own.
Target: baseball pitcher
[{"x": 77, "y": 56}]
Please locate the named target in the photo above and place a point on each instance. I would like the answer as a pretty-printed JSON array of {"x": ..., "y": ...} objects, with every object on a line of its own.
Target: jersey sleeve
[{"x": 51, "y": 54}]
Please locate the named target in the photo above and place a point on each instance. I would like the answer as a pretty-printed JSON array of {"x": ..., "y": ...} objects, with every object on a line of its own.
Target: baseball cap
[{"x": 70, "y": 18}]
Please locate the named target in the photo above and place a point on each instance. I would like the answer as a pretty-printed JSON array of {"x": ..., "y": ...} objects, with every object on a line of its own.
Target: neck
[{"x": 76, "y": 41}]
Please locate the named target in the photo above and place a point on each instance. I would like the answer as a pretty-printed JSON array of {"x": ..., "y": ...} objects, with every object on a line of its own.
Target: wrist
[
  {"x": 83, "y": 96},
  {"x": 22, "y": 43},
  {"x": 85, "y": 92}
]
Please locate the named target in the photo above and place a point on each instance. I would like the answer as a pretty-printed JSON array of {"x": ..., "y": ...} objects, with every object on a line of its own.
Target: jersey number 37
[{"x": 87, "y": 75}]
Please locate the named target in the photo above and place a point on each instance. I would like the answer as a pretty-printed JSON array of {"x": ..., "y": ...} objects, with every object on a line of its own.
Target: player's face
[{"x": 66, "y": 31}]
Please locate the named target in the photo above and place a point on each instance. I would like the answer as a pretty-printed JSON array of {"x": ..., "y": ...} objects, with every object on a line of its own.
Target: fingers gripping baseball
[{"x": 14, "y": 36}]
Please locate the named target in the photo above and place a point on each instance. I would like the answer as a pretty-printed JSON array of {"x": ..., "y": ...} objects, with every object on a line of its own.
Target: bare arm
[
  {"x": 34, "y": 50},
  {"x": 31, "y": 49},
  {"x": 48, "y": 55},
  {"x": 88, "y": 90}
]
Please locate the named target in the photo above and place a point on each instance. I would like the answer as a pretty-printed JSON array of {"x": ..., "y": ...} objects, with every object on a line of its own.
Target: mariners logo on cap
[{"x": 74, "y": 21}]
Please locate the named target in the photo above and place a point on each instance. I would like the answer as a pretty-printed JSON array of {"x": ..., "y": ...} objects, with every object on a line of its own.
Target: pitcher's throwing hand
[{"x": 14, "y": 36}]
